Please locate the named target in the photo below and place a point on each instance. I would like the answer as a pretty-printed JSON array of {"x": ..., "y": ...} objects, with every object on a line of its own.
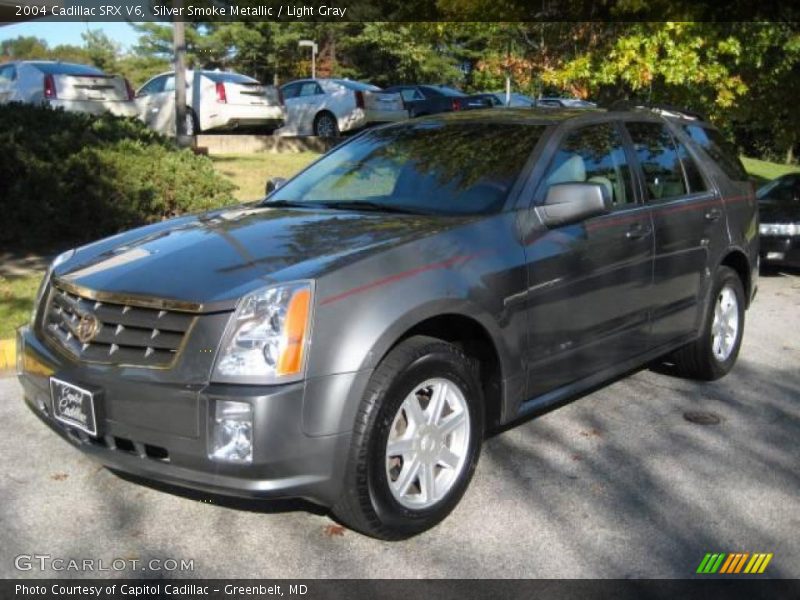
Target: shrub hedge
[{"x": 68, "y": 178}]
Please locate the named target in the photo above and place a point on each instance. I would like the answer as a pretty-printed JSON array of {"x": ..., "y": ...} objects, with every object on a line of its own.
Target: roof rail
[{"x": 666, "y": 110}]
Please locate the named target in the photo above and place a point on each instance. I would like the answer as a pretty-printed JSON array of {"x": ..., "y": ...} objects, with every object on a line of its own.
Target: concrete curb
[{"x": 8, "y": 354}]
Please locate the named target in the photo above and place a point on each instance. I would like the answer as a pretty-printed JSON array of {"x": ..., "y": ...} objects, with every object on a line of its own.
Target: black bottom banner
[{"x": 389, "y": 589}]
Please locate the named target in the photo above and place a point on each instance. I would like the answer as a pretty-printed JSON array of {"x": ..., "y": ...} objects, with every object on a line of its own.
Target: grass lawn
[
  {"x": 249, "y": 172},
  {"x": 764, "y": 171},
  {"x": 16, "y": 301}
]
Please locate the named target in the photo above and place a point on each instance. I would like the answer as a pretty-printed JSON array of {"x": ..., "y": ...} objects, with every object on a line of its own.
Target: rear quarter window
[{"x": 719, "y": 149}]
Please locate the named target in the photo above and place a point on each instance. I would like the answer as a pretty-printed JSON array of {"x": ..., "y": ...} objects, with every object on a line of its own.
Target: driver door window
[{"x": 594, "y": 154}]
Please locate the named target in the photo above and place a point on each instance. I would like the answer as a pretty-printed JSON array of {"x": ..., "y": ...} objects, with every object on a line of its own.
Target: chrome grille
[{"x": 125, "y": 334}]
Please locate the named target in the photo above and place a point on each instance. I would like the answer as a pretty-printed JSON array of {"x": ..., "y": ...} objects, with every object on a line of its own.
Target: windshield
[
  {"x": 456, "y": 168},
  {"x": 784, "y": 189},
  {"x": 68, "y": 69},
  {"x": 222, "y": 77}
]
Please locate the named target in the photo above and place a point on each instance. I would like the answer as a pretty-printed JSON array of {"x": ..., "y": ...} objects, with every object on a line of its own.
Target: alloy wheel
[
  {"x": 428, "y": 444},
  {"x": 725, "y": 327}
]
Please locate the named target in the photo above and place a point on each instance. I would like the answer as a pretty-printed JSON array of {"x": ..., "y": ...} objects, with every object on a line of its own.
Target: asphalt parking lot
[{"x": 615, "y": 484}]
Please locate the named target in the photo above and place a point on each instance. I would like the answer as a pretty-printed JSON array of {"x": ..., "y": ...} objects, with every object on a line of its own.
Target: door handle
[
  {"x": 637, "y": 232},
  {"x": 713, "y": 214}
]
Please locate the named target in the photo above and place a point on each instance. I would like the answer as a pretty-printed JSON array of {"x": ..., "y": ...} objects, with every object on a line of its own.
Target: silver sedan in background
[
  {"x": 70, "y": 86},
  {"x": 216, "y": 100}
]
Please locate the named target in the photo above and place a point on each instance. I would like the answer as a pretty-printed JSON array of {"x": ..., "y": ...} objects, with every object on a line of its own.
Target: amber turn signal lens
[{"x": 294, "y": 333}]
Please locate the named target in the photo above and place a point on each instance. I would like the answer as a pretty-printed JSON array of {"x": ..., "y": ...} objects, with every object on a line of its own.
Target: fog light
[
  {"x": 775, "y": 255},
  {"x": 232, "y": 433}
]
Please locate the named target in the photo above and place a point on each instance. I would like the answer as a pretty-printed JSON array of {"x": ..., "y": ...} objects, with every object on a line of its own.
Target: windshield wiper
[
  {"x": 284, "y": 204},
  {"x": 366, "y": 205}
]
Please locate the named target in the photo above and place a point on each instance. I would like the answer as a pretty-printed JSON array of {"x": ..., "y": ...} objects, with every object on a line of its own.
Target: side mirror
[
  {"x": 274, "y": 183},
  {"x": 572, "y": 202}
]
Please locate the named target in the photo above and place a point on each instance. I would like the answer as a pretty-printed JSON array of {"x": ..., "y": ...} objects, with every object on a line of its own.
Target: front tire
[
  {"x": 714, "y": 353},
  {"x": 416, "y": 441},
  {"x": 325, "y": 125}
]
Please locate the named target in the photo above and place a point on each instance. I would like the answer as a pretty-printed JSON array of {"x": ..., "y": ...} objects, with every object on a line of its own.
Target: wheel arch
[
  {"x": 475, "y": 339},
  {"x": 738, "y": 261}
]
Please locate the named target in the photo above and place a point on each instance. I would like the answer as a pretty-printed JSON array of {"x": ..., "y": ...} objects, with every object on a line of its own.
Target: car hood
[
  {"x": 214, "y": 258},
  {"x": 779, "y": 211}
]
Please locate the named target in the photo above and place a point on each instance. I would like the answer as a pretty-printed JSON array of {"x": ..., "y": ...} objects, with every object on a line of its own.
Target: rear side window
[
  {"x": 693, "y": 176},
  {"x": 719, "y": 149},
  {"x": 594, "y": 154},
  {"x": 659, "y": 160}
]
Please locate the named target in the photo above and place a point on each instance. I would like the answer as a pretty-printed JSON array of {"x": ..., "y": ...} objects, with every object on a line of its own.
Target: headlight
[
  {"x": 60, "y": 259},
  {"x": 266, "y": 340},
  {"x": 789, "y": 229}
]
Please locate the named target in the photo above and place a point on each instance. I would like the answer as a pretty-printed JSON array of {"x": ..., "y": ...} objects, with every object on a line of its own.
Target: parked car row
[{"x": 224, "y": 101}]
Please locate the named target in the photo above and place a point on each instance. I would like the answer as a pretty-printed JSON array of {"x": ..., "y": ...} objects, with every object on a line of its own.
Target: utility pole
[
  {"x": 179, "y": 47},
  {"x": 313, "y": 45},
  {"x": 508, "y": 74}
]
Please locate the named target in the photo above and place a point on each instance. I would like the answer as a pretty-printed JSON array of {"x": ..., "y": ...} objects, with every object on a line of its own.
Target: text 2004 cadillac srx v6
[{"x": 352, "y": 337}]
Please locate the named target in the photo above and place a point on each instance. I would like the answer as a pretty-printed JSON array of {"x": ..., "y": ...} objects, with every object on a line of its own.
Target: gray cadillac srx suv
[{"x": 352, "y": 337}]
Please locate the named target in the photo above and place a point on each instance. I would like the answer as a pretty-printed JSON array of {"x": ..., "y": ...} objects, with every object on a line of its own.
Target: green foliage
[
  {"x": 101, "y": 50},
  {"x": 743, "y": 75},
  {"x": 24, "y": 47},
  {"x": 70, "y": 178}
]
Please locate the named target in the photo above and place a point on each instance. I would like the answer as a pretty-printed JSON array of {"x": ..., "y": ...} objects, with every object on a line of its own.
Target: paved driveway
[{"x": 615, "y": 484}]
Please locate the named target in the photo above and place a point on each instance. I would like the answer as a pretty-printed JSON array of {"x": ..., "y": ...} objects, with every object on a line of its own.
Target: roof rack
[{"x": 666, "y": 110}]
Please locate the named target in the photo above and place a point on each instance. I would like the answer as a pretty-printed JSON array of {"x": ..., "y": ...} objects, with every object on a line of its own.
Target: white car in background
[
  {"x": 328, "y": 107},
  {"x": 216, "y": 100},
  {"x": 70, "y": 86}
]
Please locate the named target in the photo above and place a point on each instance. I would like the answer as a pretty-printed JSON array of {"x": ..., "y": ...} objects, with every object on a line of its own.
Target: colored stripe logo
[{"x": 734, "y": 563}]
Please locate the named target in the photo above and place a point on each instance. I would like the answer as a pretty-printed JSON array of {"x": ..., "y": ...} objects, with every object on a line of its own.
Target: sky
[{"x": 70, "y": 33}]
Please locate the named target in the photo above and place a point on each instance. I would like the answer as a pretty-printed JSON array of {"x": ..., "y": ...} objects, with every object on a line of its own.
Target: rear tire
[
  {"x": 714, "y": 353},
  {"x": 416, "y": 441}
]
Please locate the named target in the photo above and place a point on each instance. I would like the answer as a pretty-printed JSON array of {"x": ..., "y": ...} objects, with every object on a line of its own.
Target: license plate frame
[{"x": 73, "y": 405}]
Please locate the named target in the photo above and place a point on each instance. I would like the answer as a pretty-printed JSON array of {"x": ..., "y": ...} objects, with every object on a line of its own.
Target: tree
[
  {"x": 23, "y": 47},
  {"x": 101, "y": 50}
]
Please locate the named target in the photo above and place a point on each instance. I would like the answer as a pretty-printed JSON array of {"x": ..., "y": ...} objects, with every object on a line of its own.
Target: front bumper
[
  {"x": 160, "y": 431},
  {"x": 780, "y": 250}
]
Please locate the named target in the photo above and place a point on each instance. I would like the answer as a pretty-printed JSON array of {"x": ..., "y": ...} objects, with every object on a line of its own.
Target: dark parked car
[
  {"x": 779, "y": 204},
  {"x": 421, "y": 100},
  {"x": 351, "y": 338}
]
